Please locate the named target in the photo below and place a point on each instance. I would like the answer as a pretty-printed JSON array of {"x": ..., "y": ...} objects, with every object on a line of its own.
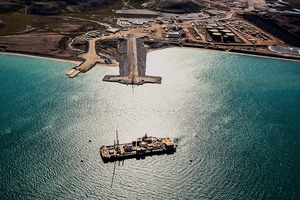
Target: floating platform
[{"x": 145, "y": 146}]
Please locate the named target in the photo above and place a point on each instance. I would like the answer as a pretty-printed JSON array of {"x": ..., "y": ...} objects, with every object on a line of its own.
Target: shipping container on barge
[{"x": 144, "y": 146}]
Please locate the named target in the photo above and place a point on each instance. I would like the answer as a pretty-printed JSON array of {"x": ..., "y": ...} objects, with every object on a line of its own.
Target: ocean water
[{"x": 236, "y": 117}]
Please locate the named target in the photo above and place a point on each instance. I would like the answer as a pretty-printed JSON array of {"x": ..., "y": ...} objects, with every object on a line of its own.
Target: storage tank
[
  {"x": 214, "y": 30},
  {"x": 230, "y": 35},
  {"x": 211, "y": 31},
  {"x": 225, "y": 31},
  {"x": 217, "y": 36}
]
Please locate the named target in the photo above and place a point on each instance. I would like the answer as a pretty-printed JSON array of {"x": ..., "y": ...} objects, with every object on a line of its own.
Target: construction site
[
  {"x": 121, "y": 35},
  {"x": 127, "y": 43}
]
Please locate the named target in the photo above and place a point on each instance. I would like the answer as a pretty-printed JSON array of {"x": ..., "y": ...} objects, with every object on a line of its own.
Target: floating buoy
[
  {"x": 191, "y": 160},
  {"x": 90, "y": 140},
  {"x": 81, "y": 160}
]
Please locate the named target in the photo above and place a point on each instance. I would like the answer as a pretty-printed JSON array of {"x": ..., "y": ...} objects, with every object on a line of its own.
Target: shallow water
[{"x": 236, "y": 117}]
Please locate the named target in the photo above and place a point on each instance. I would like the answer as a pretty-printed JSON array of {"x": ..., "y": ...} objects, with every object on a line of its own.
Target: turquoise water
[{"x": 236, "y": 117}]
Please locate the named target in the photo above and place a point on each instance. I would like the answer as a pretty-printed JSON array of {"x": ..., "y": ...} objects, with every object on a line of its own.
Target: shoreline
[
  {"x": 41, "y": 57},
  {"x": 259, "y": 54}
]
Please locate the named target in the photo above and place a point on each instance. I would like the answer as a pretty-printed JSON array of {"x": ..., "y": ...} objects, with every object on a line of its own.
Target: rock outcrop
[
  {"x": 2, "y": 24},
  {"x": 44, "y": 9},
  {"x": 7, "y": 6},
  {"x": 177, "y": 6},
  {"x": 52, "y": 7}
]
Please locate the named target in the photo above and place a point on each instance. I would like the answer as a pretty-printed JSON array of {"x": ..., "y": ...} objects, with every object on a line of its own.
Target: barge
[{"x": 144, "y": 146}]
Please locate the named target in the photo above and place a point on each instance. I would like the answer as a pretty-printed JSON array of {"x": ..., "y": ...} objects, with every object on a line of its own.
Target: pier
[
  {"x": 91, "y": 58},
  {"x": 132, "y": 65}
]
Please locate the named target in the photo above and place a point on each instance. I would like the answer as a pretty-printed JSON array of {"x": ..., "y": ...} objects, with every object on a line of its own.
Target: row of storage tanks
[{"x": 218, "y": 32}]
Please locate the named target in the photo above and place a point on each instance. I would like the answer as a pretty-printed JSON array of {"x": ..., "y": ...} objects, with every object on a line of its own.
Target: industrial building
[
  {"x": 113, "y": 30},
  {"x": 135, "y": 21},
  {"x": 174, "y": 35},
  {"x": 212, "y": 12}
]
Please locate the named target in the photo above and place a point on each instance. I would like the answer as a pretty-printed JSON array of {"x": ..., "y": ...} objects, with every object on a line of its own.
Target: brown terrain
[
  {"x": 32, "y": 43},
  {"x": 47, "y": 28},
  {"x": 43, "y": 35},
  {"x": 52, "y": 7}
]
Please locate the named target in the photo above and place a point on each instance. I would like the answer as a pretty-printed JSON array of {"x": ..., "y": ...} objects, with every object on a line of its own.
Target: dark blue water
[{"x": 236, "y": 117}]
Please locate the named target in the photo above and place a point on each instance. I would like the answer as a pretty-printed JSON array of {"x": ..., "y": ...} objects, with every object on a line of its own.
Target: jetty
[
  {"x": 132, "y": 65},
  {"x": 144, "y": 146},
  {"x": 131, "y": 58},
  {"x": 91, "y": 58}
]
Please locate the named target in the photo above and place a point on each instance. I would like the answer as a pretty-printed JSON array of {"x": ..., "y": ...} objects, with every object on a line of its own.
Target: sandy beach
[
  {"x": 42, "y": 57},
  {"x": 270, "y": 55}
]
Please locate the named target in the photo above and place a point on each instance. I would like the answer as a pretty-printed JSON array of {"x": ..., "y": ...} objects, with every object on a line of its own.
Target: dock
[
  {"x": 132, "y": 63},
  {"x": 133, "y": 66},
  {"x": 91, "y": 59},
  {"x": 72, "y": 73}
]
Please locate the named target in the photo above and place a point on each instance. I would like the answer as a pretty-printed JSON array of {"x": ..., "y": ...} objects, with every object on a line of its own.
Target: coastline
[
  {"x": 42, "y": 57},
  {"x": 258, "y": 54},
  {"x": 261, "y": 54}
]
